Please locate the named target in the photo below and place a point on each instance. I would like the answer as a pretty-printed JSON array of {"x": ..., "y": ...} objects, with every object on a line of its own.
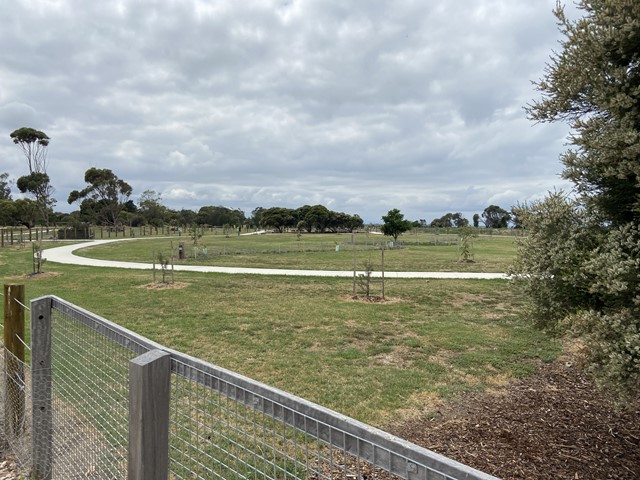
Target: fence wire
[
  {"x": 222, "y": 425},
  {"x": 90, "y": 391},
  {"x": 220, "y": 430},
  {"x": 15, "y": 406}
]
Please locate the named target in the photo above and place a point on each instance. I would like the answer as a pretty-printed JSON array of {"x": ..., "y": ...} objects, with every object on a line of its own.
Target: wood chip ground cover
[{"x": 552, "y": 425}]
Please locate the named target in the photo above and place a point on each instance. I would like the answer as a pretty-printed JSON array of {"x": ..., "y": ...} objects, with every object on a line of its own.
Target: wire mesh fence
[
  {"x": 15, "y": 407},
  {"x": 227, "y": 426},
  {"x": 90, "y": 393},
  {"x": 221, "y": 425}
]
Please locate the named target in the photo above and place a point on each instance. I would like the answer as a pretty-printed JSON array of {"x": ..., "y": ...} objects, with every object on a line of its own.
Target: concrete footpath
[{"x": 65, "y": 255}]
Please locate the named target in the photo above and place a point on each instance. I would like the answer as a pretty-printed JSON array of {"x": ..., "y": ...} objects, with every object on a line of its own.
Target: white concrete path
[{"x": 65, "y": 255}]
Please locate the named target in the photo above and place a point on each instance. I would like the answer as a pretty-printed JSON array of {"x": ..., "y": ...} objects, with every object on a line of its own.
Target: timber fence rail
[
  {"x": 19, "y": 235},
  {"x": 106, "y": 403}
]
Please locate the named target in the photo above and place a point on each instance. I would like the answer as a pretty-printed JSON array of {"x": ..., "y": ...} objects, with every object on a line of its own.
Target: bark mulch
[{"x": 552, "y": 425}]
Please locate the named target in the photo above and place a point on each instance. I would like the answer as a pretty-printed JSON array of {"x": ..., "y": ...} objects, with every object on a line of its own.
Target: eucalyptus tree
[
  {"x": 5, "y": 188},
  {"x": 34, "y": 145},
  {"x": 105, "y": 196},
  {"x": 495, "y": 217}
]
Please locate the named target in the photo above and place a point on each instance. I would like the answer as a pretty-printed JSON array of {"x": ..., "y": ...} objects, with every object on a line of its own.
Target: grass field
[
  {"x": 423, "y": 252},
  {"x": 378, "y": 362}
]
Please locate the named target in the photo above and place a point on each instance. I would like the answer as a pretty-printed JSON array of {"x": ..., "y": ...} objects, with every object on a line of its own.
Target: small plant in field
[
  {"x": 226, "y": 229},
  {"x": 38, "y": 261},
  {"x": 164, "y": 262},
  {"x": 363, "y": 280},
  {"x": 194, "y": 234},
  {"x": 465, "y": 241}
]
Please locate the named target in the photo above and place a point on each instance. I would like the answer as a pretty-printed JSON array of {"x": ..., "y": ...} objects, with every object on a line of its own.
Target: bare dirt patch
[
  {"x": 552, "y": 425},
  {"x": 34, "y": 276},
  {"x": 165, "y": 286},
  {"x": 371, "y": 299}
]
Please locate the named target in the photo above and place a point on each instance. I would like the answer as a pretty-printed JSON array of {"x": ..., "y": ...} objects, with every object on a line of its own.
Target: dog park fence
[{"x": 101, "y": 402}]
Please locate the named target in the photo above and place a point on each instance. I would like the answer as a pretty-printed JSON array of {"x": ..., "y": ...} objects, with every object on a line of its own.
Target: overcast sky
[{"x": 361, "y": 105}]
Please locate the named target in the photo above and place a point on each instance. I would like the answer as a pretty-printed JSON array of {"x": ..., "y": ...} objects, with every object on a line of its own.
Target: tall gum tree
[
  {"x": 106, "y": 193},
  {"x": 34, "y": 144}
]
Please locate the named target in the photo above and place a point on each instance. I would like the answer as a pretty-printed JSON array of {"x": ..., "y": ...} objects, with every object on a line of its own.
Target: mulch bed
[{"x": 552, "y": 425}]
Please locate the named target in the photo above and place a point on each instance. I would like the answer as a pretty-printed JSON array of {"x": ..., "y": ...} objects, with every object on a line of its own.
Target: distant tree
[
  {"x": 278, "y": 218},
  {"x": 449, "y": 220},
  {"x": 515, "y": 213},
  {"x": 151, "y": 208},
  {"x": 395, "y": 224},
  {"x": 307, "y": 218},
  {"x": 353, "y": 222},
  {"x": 459, "y": 221},
  {"x": 495, "y": 217},
  {"x": 130, "y": 206},
  {"x": 186, "y": 216},
  {"x": 304, "y": 222},
  {"x": 7, "y": 213},
  {"x": 105, "y": 196},
  {"x": 256, "y": 215},
  {"x": 219, "y": 216},
  {"x": 37, "y": 185},
  {"x": 317, "y": 217},
  {"x": 5, "y": 189},
  {"x": 34, "y": 145},
  {"x": 476, "y": 220},
  {"x": 26, "y": 212},
  {"x": 442, "y": 222}
]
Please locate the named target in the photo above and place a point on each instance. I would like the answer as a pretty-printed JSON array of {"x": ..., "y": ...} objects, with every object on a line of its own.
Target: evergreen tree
[{"x": 580, "y": 262}]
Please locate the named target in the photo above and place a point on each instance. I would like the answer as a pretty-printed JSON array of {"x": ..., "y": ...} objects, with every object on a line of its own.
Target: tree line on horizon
[{"x": 106, "y": 201}]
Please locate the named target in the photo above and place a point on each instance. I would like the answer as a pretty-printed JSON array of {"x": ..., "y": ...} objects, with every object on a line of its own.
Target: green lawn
[
  {"x": 376, "y": 362},
  {"x": 422, "y": 252}
]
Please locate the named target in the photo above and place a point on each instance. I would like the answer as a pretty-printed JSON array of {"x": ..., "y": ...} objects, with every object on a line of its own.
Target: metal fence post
[
  {"x": 14, "y": 360},
  {"x": 42, "y": 436},
  {"x": 149, "y": 399}
]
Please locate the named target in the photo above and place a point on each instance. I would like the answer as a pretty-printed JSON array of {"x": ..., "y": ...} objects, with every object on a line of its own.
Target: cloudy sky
[{"x": 362, "y": 105}]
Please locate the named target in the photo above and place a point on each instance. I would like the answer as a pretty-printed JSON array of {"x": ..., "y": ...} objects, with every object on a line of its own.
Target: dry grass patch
[
  {"x": 371, "y": 299},
  {"x": 442, "y": 358},
  {"x": 165, "y": 286},
  {"x": 399, "y": 357},
  {"x": 34, "y": 276},
  {"x": 420, "y": 405}
]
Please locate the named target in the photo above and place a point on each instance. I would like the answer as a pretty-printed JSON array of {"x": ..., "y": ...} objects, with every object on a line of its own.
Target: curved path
[{"x": 65, "y": 255}]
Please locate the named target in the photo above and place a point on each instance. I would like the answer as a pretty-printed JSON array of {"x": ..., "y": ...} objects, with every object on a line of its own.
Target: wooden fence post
[
  {"x": 14, "y": 360},
  {"x": 149, "y": 400},
  {"x": 42, "y": 414}
]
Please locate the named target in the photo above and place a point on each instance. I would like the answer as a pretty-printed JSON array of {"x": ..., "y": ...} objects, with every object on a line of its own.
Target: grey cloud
[{"x": 364, "y": 106}]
